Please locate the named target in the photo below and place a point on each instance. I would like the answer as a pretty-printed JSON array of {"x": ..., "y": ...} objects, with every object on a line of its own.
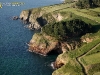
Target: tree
[
  {"x": 70, "y": 28},
  {"x": 88, "y": 3}
]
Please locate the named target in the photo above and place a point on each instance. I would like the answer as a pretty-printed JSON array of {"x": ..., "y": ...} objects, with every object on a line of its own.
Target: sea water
[{"x": 14, "y": 56}]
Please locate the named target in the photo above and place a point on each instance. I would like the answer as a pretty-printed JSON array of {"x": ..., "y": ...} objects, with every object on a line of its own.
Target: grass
[
  {"x": 96, "y": 50},
  {"x": 82, "y": 50},
  {"x": 56, "y": 7},
  {"x": 51, "y": 8},
  {"x": 91, "y": 59},
  {"x": 69, "y": 13},
  {"x": 90, "y": 12},
  {"x": 72, "y": 67},
  {"x": 94, "y": 69},
  {"x": 96, "y": 9},
  {"x": 76, "y": 12}
]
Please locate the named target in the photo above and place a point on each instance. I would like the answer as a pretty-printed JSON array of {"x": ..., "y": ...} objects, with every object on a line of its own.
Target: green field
[
  {"x": 84, "y": 49},
  {"x": 92, "y": 59},
  {"x": 96, "y": 50},
  {"x": 81, "y": 12}
]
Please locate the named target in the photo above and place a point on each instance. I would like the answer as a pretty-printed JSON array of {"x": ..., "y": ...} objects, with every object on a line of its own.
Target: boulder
[{"x": 15, "y": 18}]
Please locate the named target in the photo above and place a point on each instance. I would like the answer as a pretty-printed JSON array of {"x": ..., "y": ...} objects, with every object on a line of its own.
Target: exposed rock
[
  {"x": 70, "y": 44},
  {"x": 61, "y": 60},
  {"x": 87, "y": 40},
  {"x": 38, "y": 17},
  {"x": 57, "y": 16},
  {"x": 15, "y": 18},
  {"x": 44, "y": 44},
  {"x": 33, "y": 26},
  {"x": 25, "y": 15}
]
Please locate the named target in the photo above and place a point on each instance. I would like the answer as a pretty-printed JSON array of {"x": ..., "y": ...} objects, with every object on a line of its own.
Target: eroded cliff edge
[
  {"x": 38, "y": 17},
  {"x": 44, "y": 44}
]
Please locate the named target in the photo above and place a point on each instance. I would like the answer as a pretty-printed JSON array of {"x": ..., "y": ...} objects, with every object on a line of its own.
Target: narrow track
[{"x": 79, "y": 61}]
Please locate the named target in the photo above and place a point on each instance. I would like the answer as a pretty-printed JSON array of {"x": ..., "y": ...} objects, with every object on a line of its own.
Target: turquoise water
[{"x": 14, "y": 56}]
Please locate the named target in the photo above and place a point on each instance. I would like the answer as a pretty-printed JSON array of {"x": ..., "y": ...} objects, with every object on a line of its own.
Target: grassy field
[
  {"x": 53, "y": 8},
  {"x": 84, "y": 49},
  {"x": 94, "y": 69},
  {"x": 92, "y": 59},
  {"x": 96, "y": 50},
  {"x": 96, "y": 9},
  {"x": 81, "y": 12}
]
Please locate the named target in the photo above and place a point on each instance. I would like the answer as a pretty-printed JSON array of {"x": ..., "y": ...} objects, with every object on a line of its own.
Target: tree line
[
  {"x": 88, "y": 3},
  {"x": 64, "y": 29}
]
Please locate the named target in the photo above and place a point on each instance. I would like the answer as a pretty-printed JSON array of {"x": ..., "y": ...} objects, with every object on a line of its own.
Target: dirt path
[{"x": 79, "y": 61}]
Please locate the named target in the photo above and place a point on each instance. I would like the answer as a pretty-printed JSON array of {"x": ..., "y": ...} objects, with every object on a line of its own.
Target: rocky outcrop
[
  {"x": 15, "y": 18},
  {"x": 38, "y": 17},
  {"x": 44, "y": 44},
  {"x": 24, "y": 16},
  {"x": 61, "y": 60},
  {"x": 87, "y": 38}
]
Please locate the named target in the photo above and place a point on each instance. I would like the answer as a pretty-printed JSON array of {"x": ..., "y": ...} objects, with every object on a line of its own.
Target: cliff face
[
  {"x": 44, "y": 44},
  {"x": 38, "y": 17},
  {"x": 30, "y": 17},
  {"x": 24, "y": 16}
]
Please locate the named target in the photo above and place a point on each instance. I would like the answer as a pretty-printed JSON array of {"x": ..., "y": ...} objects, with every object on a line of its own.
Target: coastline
[{"x": 42, "y": 44}]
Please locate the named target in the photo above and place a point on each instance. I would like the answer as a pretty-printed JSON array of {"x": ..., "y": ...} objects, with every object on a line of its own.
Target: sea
[{"x": 15, "y": 59}]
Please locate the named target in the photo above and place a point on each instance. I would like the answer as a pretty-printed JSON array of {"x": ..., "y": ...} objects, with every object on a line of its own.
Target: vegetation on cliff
[{"x": 65, "y": 29}]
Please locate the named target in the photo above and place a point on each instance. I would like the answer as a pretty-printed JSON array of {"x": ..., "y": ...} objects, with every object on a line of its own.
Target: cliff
[
  {"x": 44, "y": 44},
  {"x": 38, "y": 17}
]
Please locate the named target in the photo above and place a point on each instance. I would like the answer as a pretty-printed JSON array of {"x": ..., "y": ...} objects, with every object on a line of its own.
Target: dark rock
[{"x": 15, "y": 18}]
